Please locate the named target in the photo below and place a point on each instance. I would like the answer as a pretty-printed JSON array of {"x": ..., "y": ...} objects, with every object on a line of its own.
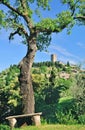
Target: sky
[{"x": 67, "y": 48}]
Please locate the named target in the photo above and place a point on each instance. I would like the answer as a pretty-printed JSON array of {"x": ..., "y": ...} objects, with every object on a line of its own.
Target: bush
[
  {"x": 49, "y": 115},
  {"x": 43, "y": 121},
  {"x": 4, "y": 127},
  {"x": 65, "y": 113},
  {"x": 81, "y": 119},
  {"x": 66, "y": 118}
]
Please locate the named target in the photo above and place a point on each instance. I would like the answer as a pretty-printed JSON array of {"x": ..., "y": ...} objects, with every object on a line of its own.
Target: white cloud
[
  {"x": 63, "y": 51},
  {"x": 65, "y": 59},
  {"x": 81, "y": 45},
  {"x": 64, "y": 56}
]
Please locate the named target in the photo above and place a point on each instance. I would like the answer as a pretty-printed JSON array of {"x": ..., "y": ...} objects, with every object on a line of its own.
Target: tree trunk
[{"x": 26, "y": 88}]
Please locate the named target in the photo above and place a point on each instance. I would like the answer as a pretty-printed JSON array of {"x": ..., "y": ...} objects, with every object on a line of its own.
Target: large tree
[{"x": 18, "y": 16}]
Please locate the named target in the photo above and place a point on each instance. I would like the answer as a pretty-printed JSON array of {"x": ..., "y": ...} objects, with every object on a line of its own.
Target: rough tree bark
[{"x": 26, "y": 88}]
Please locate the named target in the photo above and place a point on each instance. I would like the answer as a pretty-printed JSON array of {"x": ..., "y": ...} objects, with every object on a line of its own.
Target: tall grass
[{"x": 53, "y": 127}]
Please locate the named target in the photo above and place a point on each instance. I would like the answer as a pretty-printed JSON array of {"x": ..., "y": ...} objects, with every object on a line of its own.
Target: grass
[{"x": 53, "y": 127}]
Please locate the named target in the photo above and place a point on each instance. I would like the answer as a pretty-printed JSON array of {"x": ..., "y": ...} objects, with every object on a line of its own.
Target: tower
[{"x": 53, "y": 58}]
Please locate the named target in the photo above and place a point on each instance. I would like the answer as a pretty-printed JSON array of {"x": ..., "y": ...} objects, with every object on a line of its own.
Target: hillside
[{"x": 59, "y": 92}]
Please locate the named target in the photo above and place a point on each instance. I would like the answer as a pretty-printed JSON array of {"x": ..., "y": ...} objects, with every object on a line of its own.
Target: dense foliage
[
  {"x": 9, "y": 92},
  {"x": 4, "y": 127},
  {"x": 60, "y": 100}
]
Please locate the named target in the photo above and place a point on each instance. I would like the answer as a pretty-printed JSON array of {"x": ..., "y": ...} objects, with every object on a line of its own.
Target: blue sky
[{"x": 67, "y": 47}]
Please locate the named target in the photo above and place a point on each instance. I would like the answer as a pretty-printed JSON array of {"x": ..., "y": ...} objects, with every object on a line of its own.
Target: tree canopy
[{"x": 19, "y": 16}]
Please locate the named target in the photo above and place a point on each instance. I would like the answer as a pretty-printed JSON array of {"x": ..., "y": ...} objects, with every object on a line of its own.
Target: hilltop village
[{"x": 65, "y": 70}]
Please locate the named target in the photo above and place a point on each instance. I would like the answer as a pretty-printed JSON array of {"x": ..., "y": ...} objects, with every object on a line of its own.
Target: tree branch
[
  {"x": 81, "y": 17},
  {"x": 12, "y": 34},
  {"x": 49, "y": 31},
  {"x": 18, "y": 32},
  {"x": 11, "y": 8},
  {"x": 23, "y": 4},
  {"x": 24, "y": 14}
]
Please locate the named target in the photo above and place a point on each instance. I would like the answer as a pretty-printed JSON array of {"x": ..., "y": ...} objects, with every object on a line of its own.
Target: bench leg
[
  {"x": 12, "y": 122},
  {"x": 36, "y": 120}
]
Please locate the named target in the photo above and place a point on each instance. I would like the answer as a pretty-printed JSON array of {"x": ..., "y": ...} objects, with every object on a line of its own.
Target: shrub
[
  {"x": 66, "y": 118},
  {"x": 4, "y": 127},
  {"x": 81, "y": 119},
  {"x": 65, "y": 113}
]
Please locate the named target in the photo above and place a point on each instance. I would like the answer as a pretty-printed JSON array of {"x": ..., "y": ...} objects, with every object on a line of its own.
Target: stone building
[{"x": 53, "y": 57}]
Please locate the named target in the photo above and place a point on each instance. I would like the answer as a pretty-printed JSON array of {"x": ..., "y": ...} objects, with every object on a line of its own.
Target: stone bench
[{"x": 35, "y": 117}]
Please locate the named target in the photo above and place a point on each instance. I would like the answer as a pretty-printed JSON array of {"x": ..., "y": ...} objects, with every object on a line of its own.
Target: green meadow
[{"x": 53, "y": 127}]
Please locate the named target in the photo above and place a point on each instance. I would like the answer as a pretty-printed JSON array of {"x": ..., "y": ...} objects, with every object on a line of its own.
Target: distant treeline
[{"x": 50, "y": 64}]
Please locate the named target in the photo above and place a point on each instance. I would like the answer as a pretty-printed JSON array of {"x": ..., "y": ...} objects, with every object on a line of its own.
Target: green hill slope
[{"x": 59, "y": 92}]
